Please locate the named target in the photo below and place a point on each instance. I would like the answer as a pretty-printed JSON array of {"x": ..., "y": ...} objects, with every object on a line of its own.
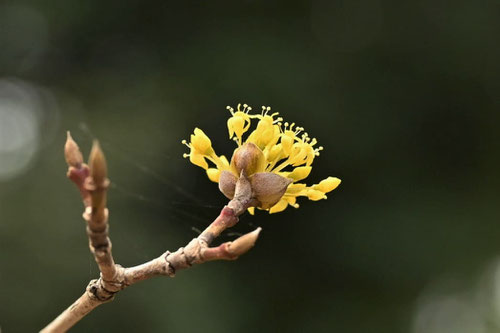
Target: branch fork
[{"x": 92, "y": 182}]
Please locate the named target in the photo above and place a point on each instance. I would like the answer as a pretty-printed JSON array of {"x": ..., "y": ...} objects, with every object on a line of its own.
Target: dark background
[{"x": 402, "y": 95}]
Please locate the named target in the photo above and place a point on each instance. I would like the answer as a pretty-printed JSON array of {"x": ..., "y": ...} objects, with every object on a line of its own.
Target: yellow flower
[{"x": 273, "y": 147}]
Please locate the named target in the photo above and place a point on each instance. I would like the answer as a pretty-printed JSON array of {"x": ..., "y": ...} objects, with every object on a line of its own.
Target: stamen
[
  {"x": 230, "y": 109},
  {"x": 317, "y": 150},
  {"x": 185, "y": 155},
  {"x": 265, "y": 110},
  {"x": 281, "y": 166},
  {"x": 245, "y": 106}
]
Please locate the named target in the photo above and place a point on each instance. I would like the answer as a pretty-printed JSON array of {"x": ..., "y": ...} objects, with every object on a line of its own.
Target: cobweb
[
  {"x": 194, "y": 212},
  {"x": 188, "y": 210}
]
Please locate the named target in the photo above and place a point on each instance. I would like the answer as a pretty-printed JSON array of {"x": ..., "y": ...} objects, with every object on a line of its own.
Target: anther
[{"x": 278, "y": 120}]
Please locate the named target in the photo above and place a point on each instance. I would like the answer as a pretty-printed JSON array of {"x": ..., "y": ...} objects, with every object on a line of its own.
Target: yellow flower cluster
[{"x": 283, "y": 145}]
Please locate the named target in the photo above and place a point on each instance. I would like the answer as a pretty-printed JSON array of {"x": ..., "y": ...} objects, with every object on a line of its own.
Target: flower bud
[
  {"x": 72, "y": 153},
  {"x": 248, "y": 158},
  {"x": 327, "y": 185},
  {"x": 315, "y": 195},
  {"x": 268, "y": 188},
  {"x": 300, "y": 173}
]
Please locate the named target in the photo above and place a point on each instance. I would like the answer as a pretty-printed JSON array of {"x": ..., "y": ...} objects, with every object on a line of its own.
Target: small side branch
[{"x": 92, "y": 183}]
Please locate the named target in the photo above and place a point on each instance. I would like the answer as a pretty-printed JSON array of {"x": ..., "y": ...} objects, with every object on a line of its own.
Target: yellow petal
[
  {"x": 251, "y": 210},
  {"x": 291, "y": 200},
  {"x": 213, "y": 174},
  {"x": 238, "y": 126},
  {"x": 287, "y": 142},
  {"x": 274, "y": 153},
  {"x": 279, "y": 207},
  {"x": 299, "y": 154},
  {"x": 200, "y": 141},
  {"x": 328, "y": 184},
  {"x": 230, "y": 127},
  {"x": 198, "y": 159},
  {"x": 224, "y": 160},
  {"x": 300, "y": 173},
  {"x": 295, "y": 189}
]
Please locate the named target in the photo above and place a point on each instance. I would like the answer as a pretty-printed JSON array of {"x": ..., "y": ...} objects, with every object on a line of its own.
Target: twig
[{"x": 92, "y": 182}]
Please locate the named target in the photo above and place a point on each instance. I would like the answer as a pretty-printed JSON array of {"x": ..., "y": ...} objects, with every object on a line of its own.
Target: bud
[
  {"x": 227, "y": 183},
  {"x": 315, "y": 195},
  {"x": 72, "y": 153},
  {"x": 268, "y": 188},
  {"x": 300, "y": 173},
  {"x": 248, "y": 158},
  {"x": 244, "y": 243},
  {"x": 97, "y": 164}
]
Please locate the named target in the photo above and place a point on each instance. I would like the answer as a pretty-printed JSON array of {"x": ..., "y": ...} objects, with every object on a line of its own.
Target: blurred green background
[{"x": 404, "y": 96}]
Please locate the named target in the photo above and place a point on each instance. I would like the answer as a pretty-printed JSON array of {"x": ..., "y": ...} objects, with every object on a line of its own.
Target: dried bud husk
[
  {"x": 268, "y": 188},
  {"x": 227, "y": 183},
  {"x": 248, "y": 158},
  {"x": 72, "y": 152}
]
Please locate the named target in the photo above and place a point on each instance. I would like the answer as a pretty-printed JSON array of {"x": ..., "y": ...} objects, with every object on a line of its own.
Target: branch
[{"x": 93, "y": 183}]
